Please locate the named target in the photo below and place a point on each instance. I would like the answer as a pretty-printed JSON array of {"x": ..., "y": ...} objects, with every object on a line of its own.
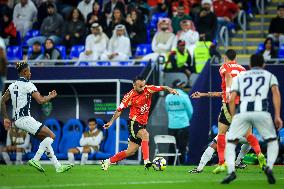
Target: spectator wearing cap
[
  {"x": 51, "y": 27},
  {"x": 276, "y": 27},
  {"x": 24, "y": 16},
  {"x": 119, "y": 47},
  {"x": 74, "y": 29},
  {"x": 206, "y": 21},
  {"x": 181, "y": 15},
  {"x": 36, "y": 53},
  {"x": 86, "y": 7},
  {"x": 179, "y": 59},
  {"x": 179, "y": 110},
  {"x": 95, "y": 45}
]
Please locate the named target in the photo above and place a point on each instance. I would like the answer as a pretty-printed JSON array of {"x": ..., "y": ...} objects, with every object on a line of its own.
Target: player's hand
[
  {"x": 7, "y": 124},
  {"x": 195, "y": 95},
  {"x": 173, "y": 91},
  {"x": 278, "y": 122},
  {"x": 107, "y": 125},
  {"x": 53, "y": 94}
]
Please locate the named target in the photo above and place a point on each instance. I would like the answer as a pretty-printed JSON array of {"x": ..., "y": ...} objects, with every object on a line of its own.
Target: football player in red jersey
[{"x": 139, "y": 102}]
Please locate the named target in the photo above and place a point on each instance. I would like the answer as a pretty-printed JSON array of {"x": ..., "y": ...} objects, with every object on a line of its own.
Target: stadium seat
[
  {"x": 62, "y": 50},
  {"x": 143, "y": 49},
  {"x": 281, "y": 137},
  {"x": 54, "y": 126},
  {"x": 154, "y": 20},
  {"x": 30, "y": 50},
  {"x": 281, "y": 52},
  {"x": 30, "y": 34},
  {"x": 260, "y": 47},
  {"x": 103, "y": 63},
  {"x": 76, "y": 50},
  {"x": 14, "y": 53}
]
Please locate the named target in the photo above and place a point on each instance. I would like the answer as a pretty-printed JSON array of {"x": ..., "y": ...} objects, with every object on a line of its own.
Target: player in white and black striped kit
[
  {"x": 21, "y": 93},
  {"x": 253, "y": 87}
]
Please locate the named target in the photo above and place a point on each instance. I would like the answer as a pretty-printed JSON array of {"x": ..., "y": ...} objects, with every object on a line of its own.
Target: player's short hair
[
  {"x": 231, "y": 54},
  {"x": 140, "y": 78},
  {"x": 92, "y": 120},
  {"x": 256, "y": 60},
  {"x": 21, "y": 65}
]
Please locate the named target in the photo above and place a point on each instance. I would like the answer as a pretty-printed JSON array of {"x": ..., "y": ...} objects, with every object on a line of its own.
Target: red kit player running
[{"x": 139, "y": 102}]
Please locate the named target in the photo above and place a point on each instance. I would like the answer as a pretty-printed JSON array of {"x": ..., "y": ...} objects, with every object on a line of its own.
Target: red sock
[
  {"x": 145, "y": 149},
  {"x": 221, "y": 143},
  {"x": 254, "y": 143},
  {"x": 117, "y": 157}
]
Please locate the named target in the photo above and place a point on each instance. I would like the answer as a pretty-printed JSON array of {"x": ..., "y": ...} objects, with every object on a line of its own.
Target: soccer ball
[{"x": 159, "y": 164}]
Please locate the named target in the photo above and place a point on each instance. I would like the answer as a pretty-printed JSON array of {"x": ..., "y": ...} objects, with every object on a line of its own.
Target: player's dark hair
[
  {"x": 231, "y": 54},
  {"x": 21, "y": 65},
  {"x": 256, "y": 60},
  {"x": 140, "y": 78},
  {"x": 92, "y": 120}
]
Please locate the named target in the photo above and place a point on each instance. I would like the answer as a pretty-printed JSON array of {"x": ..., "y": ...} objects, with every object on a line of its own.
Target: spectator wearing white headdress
[
  {"x": 162, "y": 41},
  {"x": 96, "y": 43},
  {"x": 119, "y": 47}
]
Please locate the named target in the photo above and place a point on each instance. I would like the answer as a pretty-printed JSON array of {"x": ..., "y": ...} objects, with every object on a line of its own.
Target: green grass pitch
[{"x": 132, "y": 177}]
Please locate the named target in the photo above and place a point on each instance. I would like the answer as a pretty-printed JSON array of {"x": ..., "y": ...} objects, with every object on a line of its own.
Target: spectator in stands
[
  {"x": 51, "y": 27},
  {"x": 181, "y": 15},
  {"x": 137, "y": 28},
  {"x": 206, "y": 21},
  {"x": 176, "y": 3},
  {"x": 119, "y": 47},
  {"x": 162, "y": 41},
  {"x": 276, "y": 27},
  {"x": 8, "y": 31},
  {"x": 111, "y": 6},
  {"x": 180, "y": 110},
  {"x": 179, "y": 59},
  {"x": 89, "y": 143},
  {"x": 96, "y": 43},
  {"x": 117, "y": 19},
  {"x": 269, "y": 51},
  {"x": 36, "y": 53},
  {"x": 86, "y": 7},
  {"x": 42, "y": 13},
  {"x": 24, "y": 16},
  {"x": 142, "y": 7},
  {"x": 3, "y": 65},
  {"x": 17, "y": 141},
  {"x": 225, "y": 11},
  {"x": 188, "y": 34},
  {"x": 50, "y": 52},
  {"x": 97, "y": 16},
  {"x": 74, "y": 29}
]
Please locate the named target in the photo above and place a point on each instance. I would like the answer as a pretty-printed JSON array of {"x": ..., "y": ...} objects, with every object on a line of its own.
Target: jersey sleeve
[
  {"x": 273, "y": 81},
  {"x": 125, "y": 102},
  {"x": 154, "y": 89},
  {"x": 31, "y": 88},
  {"x": 235, "y": 85},
  {"x": 223, "y": 69}
]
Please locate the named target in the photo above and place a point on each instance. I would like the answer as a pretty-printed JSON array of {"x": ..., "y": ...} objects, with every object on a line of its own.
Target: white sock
[
  {"x": 19, "y": 157},
  {"x": 42, "y": 147},
  {"x": 84, "y": 158},
  {"x": 230, "y": 156},
  {"x": 6, "y": 158},
  {"x": 245, "y": 148},
  {"x": 272, "y": 153},
  {"x": 71, "y": 158},
  {"x": 51, "y": 156},
  {"x": 206, "y": 156}
]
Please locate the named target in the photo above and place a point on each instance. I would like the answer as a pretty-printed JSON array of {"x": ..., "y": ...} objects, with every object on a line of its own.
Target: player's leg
[
  {"x": 245, "y": 148},
  {"x": 6, "y": 156},
  {"x": 71, "y": 153},
  {"x": 19, "y": 156},
  {"x": 86, "y": 151},
  {"x": 144, "y": 136}
]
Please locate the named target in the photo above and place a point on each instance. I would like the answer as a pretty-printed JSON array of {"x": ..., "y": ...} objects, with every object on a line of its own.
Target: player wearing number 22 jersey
[{"x": 139, "y": 102}]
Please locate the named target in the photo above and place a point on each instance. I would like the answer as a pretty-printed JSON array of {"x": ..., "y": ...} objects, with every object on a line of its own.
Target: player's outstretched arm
[
  {"x": 208, "y": 94},
  {"x": 43, "y": 99},
  {"x": 7, "y": 121},
  {"x": 114, "y": 117},
  {"x": 276, "y": 98},
  {"x": 170, "y": 90}
]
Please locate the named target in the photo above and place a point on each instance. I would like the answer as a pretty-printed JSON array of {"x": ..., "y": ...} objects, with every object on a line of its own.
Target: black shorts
[
  {"x": 134, "y": 127},
  {"x": 225, "y": 116}
]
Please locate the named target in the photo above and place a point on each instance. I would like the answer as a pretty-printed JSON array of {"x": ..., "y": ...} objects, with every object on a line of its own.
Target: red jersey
[
  {"x": 139, "y": 103},
  {"x": 233, "y": 69},
  {"x": 225, "y": 9}
]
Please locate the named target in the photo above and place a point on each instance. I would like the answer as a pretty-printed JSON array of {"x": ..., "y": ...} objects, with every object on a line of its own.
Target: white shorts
[
  {"x": 28, "y": 124},
  {"x": 262, "y": 121},
  {"x": 242, "y": 139},
  {"x": 81, "y": 149}
]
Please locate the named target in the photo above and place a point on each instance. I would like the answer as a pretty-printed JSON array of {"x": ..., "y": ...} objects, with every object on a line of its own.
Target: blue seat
[
  {"x": 54, "y": 125},
  {"x": 30, "y": 50},
  {"x": 30, "y": 34},
  {"x": 154, "y": 20},
  {"x": 260, "y": 47},
  {"x": 103, "y": 63},
  {"x": 281, "y": 136},
  {"x": 143, "y": 49},
  {"x": 14, "y": 53},
  {"x": 281, "y": 52},
  {"x": 62, "y": 50},
  {"x": 71, "y": 134},
  {"x": 76, "y": 50}
]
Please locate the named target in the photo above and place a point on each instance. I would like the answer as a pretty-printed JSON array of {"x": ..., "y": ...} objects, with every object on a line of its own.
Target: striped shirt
[{"x": 253, "y": 87}]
